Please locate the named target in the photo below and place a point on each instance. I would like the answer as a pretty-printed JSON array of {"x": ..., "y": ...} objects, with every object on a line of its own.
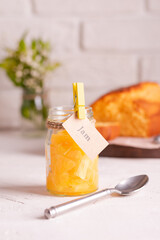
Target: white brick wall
[
  {"x": 97, "y": 71},
  {"x": 106, "y": 44},
  {"x": 86, "y": 6},
  {"x": 63, "y": 35},
  {"x": 14, "y": 7},
  {"x": 154, "y": 5},
  {"x": 150, "y": 68},
  {"x": 122, "y": 34},
  {"x": 10, "y": 100}
]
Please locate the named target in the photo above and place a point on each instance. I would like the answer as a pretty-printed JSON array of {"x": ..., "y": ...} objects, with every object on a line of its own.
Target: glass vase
[{"x": 34, "y": 110}]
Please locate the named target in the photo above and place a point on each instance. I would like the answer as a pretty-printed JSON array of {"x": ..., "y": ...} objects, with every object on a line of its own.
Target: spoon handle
[{"x": 54, "y": 211}]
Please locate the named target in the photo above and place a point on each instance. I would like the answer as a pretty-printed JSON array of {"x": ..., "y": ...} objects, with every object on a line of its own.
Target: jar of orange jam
[{"x": 70, "y": 172}]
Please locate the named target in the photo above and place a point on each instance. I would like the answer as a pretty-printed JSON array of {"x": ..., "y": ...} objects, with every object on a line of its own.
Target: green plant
[{"x": 27, "y": 67}]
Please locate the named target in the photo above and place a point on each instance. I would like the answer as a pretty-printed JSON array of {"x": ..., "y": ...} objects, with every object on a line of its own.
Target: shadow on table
[
  {"x": 36, "y": 151},
  {"x": 33, "y": 190}
]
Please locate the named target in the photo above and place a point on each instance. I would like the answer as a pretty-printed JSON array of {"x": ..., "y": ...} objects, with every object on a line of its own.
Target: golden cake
[
  {"x": 109, "y": 130},
  {"x": 135, "y": 108}
]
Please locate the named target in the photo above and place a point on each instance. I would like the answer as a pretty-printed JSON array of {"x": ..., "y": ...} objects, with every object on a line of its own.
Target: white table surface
[{"x": 23, "y": 198}]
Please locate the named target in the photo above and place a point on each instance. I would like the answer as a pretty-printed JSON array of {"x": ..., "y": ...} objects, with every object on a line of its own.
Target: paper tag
[{"x": 85, "y": 135}]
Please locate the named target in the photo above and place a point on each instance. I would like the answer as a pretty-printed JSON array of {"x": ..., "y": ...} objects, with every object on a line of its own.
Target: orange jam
[{"x": 70, "y": 170}]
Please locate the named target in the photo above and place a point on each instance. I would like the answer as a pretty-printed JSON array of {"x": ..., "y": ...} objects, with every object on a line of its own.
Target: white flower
[
  {"x": 38, "y": 89},
  {"x": 19, "y": 74},
  {"x": 20, "y": 67},
  {"x": 34, "y": 73},
  {"x": 30, "y": 82},
  {"x": 26, "y": 71},
  {"x": 38, "y": 58},
  {"x": 35, "y": 65},
  {"x": 29, "y": 60},
  {"x": 22, "y": 58},
  {"x": 29, "y": 52},
  {"x": 44, "y": 53}
]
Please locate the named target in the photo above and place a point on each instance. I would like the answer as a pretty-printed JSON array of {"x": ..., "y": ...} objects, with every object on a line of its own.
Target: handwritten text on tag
[{"x": 85, "y": 135}]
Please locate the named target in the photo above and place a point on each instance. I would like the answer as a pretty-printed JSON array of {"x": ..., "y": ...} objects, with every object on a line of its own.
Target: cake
[
  {"x": 109, "y": 130},
  {"x": 135, "y": 108}
]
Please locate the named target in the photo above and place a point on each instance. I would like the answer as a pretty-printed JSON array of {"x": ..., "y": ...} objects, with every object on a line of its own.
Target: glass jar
[{"x": 70, "y": 172}]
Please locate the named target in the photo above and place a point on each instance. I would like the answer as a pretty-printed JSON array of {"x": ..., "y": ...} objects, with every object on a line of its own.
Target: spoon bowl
[{"x": 131, "y": 185}]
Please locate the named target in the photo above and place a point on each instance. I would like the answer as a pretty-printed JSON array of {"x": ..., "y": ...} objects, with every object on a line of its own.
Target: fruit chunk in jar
[{"x": 71, "y": 172}]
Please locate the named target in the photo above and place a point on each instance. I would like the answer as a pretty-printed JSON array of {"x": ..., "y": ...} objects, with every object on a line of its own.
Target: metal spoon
[
  {"x": 156, "y": 139},
  {"x": 125, "y": 187}
]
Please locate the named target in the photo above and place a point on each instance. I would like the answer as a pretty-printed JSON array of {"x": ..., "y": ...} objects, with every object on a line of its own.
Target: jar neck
[
  {"x": 58, "y": 115},
  {"x": 62, "y": 113}
]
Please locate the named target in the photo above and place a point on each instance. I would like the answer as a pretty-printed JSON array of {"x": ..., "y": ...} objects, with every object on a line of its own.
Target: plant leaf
[
  {"x": 22, "y": 46},
  {"x": 52, "y": 67}
]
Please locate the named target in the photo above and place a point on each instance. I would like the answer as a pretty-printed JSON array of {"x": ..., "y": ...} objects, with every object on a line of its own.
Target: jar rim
[
  {"x": 67, "y": 109},
  {"x": 63, "y": 112},
  {"x": 59, "y": 114}
]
